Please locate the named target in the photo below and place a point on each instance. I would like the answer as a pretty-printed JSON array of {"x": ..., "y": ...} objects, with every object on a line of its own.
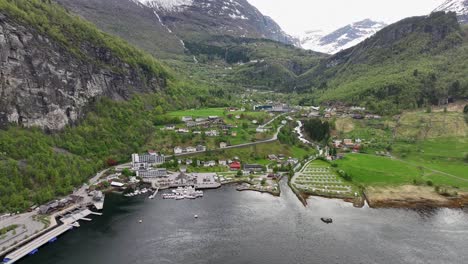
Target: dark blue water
[{"x": 248, "y": 227}]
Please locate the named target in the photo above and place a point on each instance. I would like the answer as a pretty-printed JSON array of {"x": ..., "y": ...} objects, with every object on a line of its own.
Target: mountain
[
  {"x": 162, "y": 27},
  {"x": 195, "y": 37},
  {"x": 194, "y": 19},
  {"x": 460, "y": 7},
  {"x": 54, "y": 65},
  {"x": 341, "y": 38},
  {"x": 130, "y": 20},
  {"x": 411, "y": 63}
]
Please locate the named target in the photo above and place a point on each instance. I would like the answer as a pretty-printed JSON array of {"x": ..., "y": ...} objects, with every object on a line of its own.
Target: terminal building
[
  {"x": 144, "y": 161},
  {"x": 153, "y": 173}
]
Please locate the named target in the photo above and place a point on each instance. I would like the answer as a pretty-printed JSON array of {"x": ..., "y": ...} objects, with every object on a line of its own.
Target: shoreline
[
  {"x": 396, "y": 200},
  {"x": 239, "y": 188}
]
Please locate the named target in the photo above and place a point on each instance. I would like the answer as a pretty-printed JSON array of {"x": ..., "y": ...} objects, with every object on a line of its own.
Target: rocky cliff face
[{"x": 43, "y": 84}]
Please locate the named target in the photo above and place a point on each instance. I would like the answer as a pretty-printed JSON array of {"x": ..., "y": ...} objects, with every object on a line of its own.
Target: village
[{"x": 186, "y": 168}]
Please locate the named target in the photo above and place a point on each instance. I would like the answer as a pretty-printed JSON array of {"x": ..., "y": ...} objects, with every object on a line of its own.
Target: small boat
[
  {"x": 326, "y": 220},
  {"x": 140, "y": 221},
  {"x": 195, "y": 216}
]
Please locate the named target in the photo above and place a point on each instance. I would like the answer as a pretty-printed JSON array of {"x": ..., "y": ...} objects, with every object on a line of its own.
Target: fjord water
[{"x": 249, "y": 227}]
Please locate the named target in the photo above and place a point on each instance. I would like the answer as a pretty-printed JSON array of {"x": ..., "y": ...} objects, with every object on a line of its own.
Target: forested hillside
[
  {"x": 36, "y": 166},
  {"x": 416, "y": 62}
]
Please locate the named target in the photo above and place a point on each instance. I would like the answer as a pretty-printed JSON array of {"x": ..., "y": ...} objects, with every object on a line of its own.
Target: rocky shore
[{"x": 414, "y": 197}]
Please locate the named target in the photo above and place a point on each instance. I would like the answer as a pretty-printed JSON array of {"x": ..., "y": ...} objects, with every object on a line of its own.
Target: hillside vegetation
[
  {"x": 35, "y": 166},
  {"x": 415, "y": 62}
]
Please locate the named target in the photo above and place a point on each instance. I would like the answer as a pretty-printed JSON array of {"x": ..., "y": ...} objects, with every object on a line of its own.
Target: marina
[{"x": 183, "y": 193}]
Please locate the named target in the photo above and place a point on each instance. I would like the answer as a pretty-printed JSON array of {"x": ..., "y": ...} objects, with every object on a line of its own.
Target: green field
[
  {"x": 440, "y": 154},
  {"x": 202, "y": 112},
  {"x": 375, "y": 170},
  {"x": 371, "y": 170}
]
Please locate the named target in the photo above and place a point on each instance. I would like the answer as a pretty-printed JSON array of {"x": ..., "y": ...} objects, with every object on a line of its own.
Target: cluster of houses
[
  {"x": 210, "y": 126},
  {"x": 355, "y": 112},
  {"x": 281, "y": 159},
  {"x": 204, "y": 122},
  {"x": 345, "y": 144},
  {"x": 181, "y": 150}
]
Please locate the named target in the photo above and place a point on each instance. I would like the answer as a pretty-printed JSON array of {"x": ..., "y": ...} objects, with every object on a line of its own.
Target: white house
[
  {"x": 178, "y": 150},
  {"x": 183, "y": 130},
  {"x": 191, "y": 149},
  {"x": 210, "y": 163},
  {"x": 169, "y": 127},
  {"x": 212, "y": 133},
  {"x": 187, "y": 118},
  {"x": 201, "y": 148},
  {"x": 223, "y": 145}
]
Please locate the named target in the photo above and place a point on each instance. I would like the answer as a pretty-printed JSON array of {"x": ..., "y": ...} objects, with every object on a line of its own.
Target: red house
[{"x": 235, "y": 166}]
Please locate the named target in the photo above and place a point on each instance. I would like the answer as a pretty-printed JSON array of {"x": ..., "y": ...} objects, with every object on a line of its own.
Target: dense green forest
[
  {"x": 36, "y": 167},
  {"x": 317, "y": 129}
]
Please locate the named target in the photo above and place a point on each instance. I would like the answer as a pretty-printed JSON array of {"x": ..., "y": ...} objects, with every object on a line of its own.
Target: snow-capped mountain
[
  {"x": 189, "y": 18},
  {"x": 340, "y": 39},
  {"x": 458, "y": 6}
]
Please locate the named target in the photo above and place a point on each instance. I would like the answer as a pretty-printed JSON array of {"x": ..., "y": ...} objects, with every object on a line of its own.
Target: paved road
[{"x": 273, "y": 119}]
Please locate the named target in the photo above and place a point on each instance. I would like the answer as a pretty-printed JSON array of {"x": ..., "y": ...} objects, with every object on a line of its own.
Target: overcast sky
[{"x": 297, "y": 16}]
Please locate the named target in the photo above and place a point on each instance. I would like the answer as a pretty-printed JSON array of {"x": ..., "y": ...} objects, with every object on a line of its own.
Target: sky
[{"x": 298, "y": 16}]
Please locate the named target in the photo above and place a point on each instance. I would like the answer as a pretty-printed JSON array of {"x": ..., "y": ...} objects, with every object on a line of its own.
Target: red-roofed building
[{"x": 235, "y": 166}]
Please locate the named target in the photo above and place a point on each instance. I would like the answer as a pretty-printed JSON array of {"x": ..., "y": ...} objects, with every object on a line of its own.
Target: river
[{"x": 249, "y": 227}]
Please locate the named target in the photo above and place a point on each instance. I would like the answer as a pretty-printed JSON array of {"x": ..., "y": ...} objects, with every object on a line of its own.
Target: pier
[
  {"x": 154, "y": 194},
  {"x": 31, "y": 248}
]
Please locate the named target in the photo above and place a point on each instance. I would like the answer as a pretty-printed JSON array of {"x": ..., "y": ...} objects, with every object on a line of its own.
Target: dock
[
  {"x": 154, "y": 194},
  {"x": 31, "y": 248}
]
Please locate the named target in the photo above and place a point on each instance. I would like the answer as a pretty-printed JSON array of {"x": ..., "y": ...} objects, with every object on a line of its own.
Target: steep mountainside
[
  {"x": 414, "y": 62},
  {"x": 460, "y": 7},
  {"x": 341, "y": 39},
  {"x": 130, "y": 20},
  {"x": 53, "y": 65},
  {"x": 196, "y": 19}
]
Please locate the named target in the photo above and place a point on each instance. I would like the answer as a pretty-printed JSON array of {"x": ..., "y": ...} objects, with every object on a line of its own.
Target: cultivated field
[{"x": 317, "y": 177}]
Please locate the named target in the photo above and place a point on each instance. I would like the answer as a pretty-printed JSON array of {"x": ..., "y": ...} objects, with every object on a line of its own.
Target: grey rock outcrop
[{"x": 43, "y": 84}]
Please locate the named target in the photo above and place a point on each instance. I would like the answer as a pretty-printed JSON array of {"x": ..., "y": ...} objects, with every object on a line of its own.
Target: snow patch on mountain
[
  {"x": 167, "y": 5},
  {"x": 457, "y": 6},
  {"x": 460, "y": 7},
  {"x": 340, "y": 39}
]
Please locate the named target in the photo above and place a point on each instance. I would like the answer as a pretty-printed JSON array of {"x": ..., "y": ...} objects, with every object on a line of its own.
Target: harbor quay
[{"x": 44, "y": 224}]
